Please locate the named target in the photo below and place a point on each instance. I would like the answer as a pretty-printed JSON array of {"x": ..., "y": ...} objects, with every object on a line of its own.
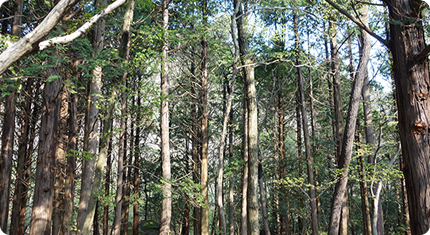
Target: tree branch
[
  {"x": 84, "y": 28},
  {"x": 422, "y": 55},
  {"x": 30, "y": 42},
  {"x": 358, "y": 23}
]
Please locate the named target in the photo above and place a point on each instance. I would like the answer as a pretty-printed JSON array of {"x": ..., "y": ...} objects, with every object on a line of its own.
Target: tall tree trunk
[
  {"x": 91, "y": 139},
  {"x": 245, "y": 173},
  {"x": 411, "y": 75},
  {"x": 348, "y": 136},
  {"x": 204, "y": 174},
  {"x": 60, "y": 165},
  {"x": 125, "y": 54},
  {"x": 253, "y": 221},
  {"x": 7, "y": 152},
  {"x": 122, "y": 178},
  {"x": 231, "y": 222},
  {"x": 136, "y": 170},
  {"x": 48, "y": 141},
  {"x": 71, "y": 165},
  {"x": 367, "y": 225},
  {"x": 283, "y": 227},
  {"x": 309, "y": 161},
  {"x": 166, "y": 204},
  {"x": 8, "y": 130},
  {"x": 223, "y": 223},
  {"x": 338, "y": 120},
  {"x": 107, "y": 186},
  {"x": 23, "y": 165}
]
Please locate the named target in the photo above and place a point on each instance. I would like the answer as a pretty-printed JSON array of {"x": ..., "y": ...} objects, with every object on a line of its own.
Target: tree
[{"x": 166, "y": 208}]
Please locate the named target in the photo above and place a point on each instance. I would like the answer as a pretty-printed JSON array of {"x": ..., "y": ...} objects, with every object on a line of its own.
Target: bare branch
[
  {"x": 358, "y": 23},
  {"x": 30, "y": 42},
  {"x": 84, "y": 28}
]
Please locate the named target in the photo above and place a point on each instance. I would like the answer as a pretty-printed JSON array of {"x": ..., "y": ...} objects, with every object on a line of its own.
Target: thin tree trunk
[
  {"x": 101, "y": 161},
  {"x": 91, "y": 139},
  {"x": 348, "y": 136},
  {"x": 406, "y": 217},
  {"x": 8, "y": 130},
  {"x": 60, "y": 163},
  {"x": 204, "y": 174},
  {"x": 223, "y": 223},
  {"x": 48, "y": 141},
  {"x": 231, "y": 222},
  {"x": 367, "y": 226},
  {"x": 136, "y": 170},
  {"x": 107, "y": 186},
  {"x": 253, "y": 225},
  {"x": 71, "y": 164},
  {"x": 125, "y": 54},
  {"x": 283, "y": 226},
  {"x": 166, "y": 204},
  {"x": 308, "y": 151},
  {"x": 6, "y": 154},
  {"x": 23, "y": 166}
]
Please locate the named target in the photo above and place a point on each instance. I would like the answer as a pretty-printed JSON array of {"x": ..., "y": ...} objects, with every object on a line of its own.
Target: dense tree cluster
[{"x": 214, "y": 117}]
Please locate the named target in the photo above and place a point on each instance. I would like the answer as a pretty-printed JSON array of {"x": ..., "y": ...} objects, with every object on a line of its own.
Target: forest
[{"x": 204, "y": 117}]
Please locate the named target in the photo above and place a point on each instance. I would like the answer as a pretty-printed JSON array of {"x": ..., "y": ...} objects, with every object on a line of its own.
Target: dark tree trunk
[
  {"x": 348, "y": 136},
  {"x": 411, "y": 76},
  {"x": 23, "y": 165},
  {"x": 107, "y": 187},
  {"x": 45, "y": 170},
  {"x": 71, "y": 165},
  {"x": 136, "y": 170},
  {"x": 60, "y": 165}
]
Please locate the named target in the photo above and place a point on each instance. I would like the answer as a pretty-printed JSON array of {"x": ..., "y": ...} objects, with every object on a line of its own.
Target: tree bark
[
  {"x": 223, "y": 223},
  {"x": 23, "y": 165},
  {"x": 125, "y": 54},
  {"x": 91, "y": 140},
  {"x": 348, "y": 136},
  {"x": 45, "y": 169},
  {"x": 6, "y": 155},
  {"x": 308, "y": 151},
  {"x": 60, "y": 165},
  {"x": 252, "y": 204},
  {"x": 71, "y": 165},
  {"x": 166, "y": 204},
  {"x": 136, "y": 170},
  {"x": 411, "y": 75},
  {"x": 367, "y": 225}
]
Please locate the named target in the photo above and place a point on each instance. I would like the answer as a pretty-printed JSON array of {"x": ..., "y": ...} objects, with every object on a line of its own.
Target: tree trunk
[
  {"x": 309, "y": 161},
  {"x": 136, "y": 170},
  {"x": 60, "y": 165},
  {"x": 223, "y": 223},
  {"x": 125, "y": 54},
  {"x": 406, "y": 216},
  {"x": 71, "y": 165},
  {"x": 101, "y": 161},
  {"x": 231, "y": 222},
  {"x": 91, "y": 139},
  {"x": 45, "y": 169},
  {"x": 367, "y": 226},
  {"x": 6, "y": 155},
  {"x": 107, "y": 185},
  {"x": 411, "y": 75},
  {"x": 166, "y": 204},
  {"x": 23, "y": 165},
  {"x": 284, "y": 228},
  {"x": 348, "y": 136},
  {"x": 8, "y": 130},
  {"x": 253, "y": 221}
]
